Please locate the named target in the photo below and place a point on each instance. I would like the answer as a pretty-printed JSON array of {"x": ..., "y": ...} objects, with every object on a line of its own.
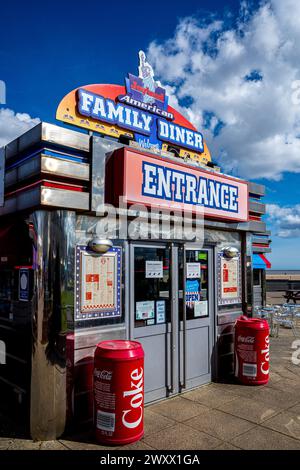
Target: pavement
[{"x": 216, "y": 416}]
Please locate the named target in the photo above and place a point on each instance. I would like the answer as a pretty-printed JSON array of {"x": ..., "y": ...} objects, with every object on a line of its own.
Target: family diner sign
[{"x": 139, "y": 114}]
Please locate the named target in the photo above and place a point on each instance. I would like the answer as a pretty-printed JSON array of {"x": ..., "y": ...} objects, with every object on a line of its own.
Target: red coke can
[
  {"x": 252, "y": 353},
  {"x": 119, "y": 392}
]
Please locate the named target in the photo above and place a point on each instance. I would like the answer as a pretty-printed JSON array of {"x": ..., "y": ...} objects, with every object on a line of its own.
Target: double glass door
[{"x": 171, "y": 315}]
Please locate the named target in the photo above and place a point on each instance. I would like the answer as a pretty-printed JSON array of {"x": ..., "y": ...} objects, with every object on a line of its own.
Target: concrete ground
[{"x": 215, "y": 416}]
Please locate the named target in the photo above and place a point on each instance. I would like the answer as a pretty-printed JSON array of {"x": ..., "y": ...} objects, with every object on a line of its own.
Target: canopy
[{"x": 259, "y": 261}]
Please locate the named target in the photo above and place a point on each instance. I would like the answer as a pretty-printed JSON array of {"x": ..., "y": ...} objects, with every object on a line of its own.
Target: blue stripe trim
[{"x": 50, "y": 153}]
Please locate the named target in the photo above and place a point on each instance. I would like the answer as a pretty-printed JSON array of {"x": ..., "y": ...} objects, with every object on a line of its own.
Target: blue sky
[{"x": 48, "y": 49}]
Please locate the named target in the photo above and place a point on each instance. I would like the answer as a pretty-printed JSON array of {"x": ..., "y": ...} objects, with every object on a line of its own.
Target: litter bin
[
  {"x": 119, "y": 392},
  {"x": 252, "y": 351}
]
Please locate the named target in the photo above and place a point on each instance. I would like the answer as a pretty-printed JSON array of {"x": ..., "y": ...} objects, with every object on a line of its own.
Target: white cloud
[
  {"x": 286, "y": 220},
  {"x": 206, "y": 64},
  {"x": 14, "y": 124}
]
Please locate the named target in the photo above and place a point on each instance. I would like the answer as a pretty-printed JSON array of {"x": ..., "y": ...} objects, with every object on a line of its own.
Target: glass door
[
  {"x": 152, "y": 316},
  {"x": 196, "y": 317}
]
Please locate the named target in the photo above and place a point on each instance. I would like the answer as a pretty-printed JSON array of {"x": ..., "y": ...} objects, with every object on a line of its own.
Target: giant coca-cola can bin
[
  {"x": 252, "y": 351},
  {"x": 119, "y": 392}
]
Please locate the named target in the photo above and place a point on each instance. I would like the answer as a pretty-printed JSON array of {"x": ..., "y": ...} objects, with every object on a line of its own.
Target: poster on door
[
  {"x": 144, "y": 310},
  {"x": 192, "y": 292},
  {"x": 229, "y": 280}
]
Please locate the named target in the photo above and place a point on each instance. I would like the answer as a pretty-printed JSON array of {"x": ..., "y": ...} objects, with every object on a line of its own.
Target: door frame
[{"x": 174, "y": 379}]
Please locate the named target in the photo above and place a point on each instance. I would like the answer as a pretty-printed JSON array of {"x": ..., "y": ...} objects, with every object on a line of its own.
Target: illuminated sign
[
  {"x": 139, "y": 111},
  {"x": 161, "y": 183}
]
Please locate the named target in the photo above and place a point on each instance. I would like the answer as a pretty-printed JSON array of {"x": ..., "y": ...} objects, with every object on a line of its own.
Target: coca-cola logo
[
  {"x": 133, "y": 416},
  {"x": 265, "y": 367},
  {"x": 246, "y": 339},
  {"x": 103, "y": 374}
]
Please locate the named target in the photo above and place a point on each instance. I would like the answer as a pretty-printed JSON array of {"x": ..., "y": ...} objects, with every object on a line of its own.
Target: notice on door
[
  {"x": 193, "y": 270},
  {"x": 154, "y": 269},
  {"x": 160, "y": 311},
  {"x": 145, "y": 310},
  {"x": 201, "y": 309},
  {"x": 229, "y": 280}
]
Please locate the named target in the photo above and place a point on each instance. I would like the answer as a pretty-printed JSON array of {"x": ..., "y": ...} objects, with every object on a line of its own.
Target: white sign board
[
  {"x": 154, "y": 269},
  {"x": 193, "y": 270}
]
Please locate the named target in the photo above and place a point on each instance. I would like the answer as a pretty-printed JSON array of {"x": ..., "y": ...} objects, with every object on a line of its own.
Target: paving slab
[
  {"x": 249, "y": 409},
  {"x": 140, "y": 445},
  {"x": 178, "y": 408},
  {"x": 276, "y": 399},
  {"x": 219, "y": 424},
  {"x": 75, "y": 445},
  {"x": 210, "y": 396},
  {"x": 227, "y": 446},
  {"x": 52, "y": 445},
  {"x": 295, "y": 410},
  {"x": 155, "y": 422},
  {"x": 260, "y": 438},
  {"x": 182, "y": 437},
  {"x": 24, "y": 444},
  {"x": 5, "y": 443},
  {"x": 286, "y": 423}
]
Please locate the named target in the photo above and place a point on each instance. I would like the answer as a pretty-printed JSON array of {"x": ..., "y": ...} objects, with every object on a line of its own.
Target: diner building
[{"x": 124, "y": 228}]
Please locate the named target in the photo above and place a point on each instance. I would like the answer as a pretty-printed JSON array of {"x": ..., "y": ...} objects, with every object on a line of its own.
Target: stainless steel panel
[
  {"x": 53, "y": 236},
  {"x": 101, "y": 149},
  {"x": 64, "y": 198},
  {"x": 62, "y": 136},
  {"x": 258, "y": 189},
  {"x": 257, "y": 239},
  {"x": 257, "y": 207},
  {"x": 60, "y": 167},
  {"x": 228, "y": 317},
  {"x": 10, "y": 206},
  {"x": 27, "y": 199},
  {"x": 48, "y": 133},
  {"x": 30, "y": 168},
  {"x": 252, "y": 226},
  {"x": 259, "y": 249},
  {"x": 90, "y": 337}
]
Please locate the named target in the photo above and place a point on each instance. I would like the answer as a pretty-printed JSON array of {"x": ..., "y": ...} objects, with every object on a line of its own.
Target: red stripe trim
[{"x": 268, "y": 264}]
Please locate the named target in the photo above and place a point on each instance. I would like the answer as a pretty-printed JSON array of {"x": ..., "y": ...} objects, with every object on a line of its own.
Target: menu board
[
  {"x": 98, "y": 287},
  {"x": 229, "y": 280}
]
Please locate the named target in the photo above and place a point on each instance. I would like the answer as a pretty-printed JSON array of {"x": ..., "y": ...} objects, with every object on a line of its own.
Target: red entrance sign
[{"x": 160, "y": 183}]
